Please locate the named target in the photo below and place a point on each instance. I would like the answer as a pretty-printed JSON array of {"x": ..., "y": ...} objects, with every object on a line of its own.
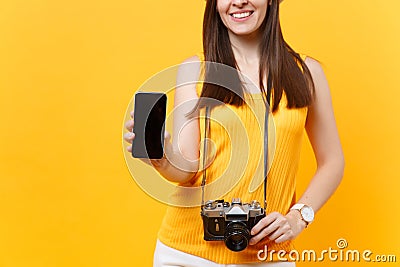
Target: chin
[{"x": 244, "y": 33}]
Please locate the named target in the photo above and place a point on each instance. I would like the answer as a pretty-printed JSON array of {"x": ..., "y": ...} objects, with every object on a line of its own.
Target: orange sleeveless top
[{"x": 237, "y": 134}]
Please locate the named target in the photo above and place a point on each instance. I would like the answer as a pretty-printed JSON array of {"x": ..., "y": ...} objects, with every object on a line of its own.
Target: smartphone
[{"x": 149, "y": 125}]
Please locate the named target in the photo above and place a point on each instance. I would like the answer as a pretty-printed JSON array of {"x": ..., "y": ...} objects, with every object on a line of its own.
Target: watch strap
[{"x": 298, "y": 207}]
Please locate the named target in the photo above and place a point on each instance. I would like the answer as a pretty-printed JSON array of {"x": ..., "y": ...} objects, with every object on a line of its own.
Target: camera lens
[{"x": 237, "y": 236}]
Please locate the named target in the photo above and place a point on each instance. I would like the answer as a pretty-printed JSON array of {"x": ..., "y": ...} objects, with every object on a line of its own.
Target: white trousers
[{"x": 165, "y": 256}]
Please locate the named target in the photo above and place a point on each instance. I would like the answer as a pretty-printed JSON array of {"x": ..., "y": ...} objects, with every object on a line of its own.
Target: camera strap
[
  {"x": 206, "y": 137},
  {"x": 205, "y": 146},
  {"x": 266, "y": 115}
]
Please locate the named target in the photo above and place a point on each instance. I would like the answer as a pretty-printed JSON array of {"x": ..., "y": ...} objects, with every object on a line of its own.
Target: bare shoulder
[
  {"x": 314, "y": 66},
  {"x": 192, "y": 59},
  {"x": 318, "y": 75}
]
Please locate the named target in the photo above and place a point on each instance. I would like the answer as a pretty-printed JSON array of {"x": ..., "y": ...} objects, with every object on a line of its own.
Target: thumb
[
  {"x": 167, "y": 144},
  {"x": 167, "y": 137}
]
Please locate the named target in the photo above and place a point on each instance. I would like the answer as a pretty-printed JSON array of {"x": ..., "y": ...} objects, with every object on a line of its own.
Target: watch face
[{"x": 307, "y": 213}]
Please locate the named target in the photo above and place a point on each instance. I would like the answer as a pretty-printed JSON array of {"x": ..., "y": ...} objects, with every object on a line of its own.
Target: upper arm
[
  {"x": 186, "y": 132},
  {"x": 321, "y": 125}
]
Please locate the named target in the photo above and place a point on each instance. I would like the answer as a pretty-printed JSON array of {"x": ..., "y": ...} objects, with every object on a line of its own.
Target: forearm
[
  {"x": 324, "y": 183},
  {"x": 175, "y": 167}
]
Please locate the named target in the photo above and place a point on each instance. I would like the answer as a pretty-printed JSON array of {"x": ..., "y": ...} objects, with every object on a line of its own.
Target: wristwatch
[{"x": 306, "y": 212}]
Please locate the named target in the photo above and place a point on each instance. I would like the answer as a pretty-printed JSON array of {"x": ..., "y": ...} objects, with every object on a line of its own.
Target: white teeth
[{"x": 241, "y": 15}]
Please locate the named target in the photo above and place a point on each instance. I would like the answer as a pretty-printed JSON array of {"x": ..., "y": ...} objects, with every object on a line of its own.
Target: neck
[{"x": 246, "y": 48}]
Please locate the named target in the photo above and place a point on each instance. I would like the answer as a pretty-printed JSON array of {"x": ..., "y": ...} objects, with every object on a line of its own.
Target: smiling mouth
[{"x": 242, "y": 15}]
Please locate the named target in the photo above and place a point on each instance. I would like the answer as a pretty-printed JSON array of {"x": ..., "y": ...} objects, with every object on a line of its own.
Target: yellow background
[{"x": 68, "y": 70}]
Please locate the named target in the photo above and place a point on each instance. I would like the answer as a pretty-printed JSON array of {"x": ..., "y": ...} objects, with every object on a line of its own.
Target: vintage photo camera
[{"x": 230, "y": 222}]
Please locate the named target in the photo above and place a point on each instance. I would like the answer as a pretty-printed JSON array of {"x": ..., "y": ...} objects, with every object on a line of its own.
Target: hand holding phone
[{"x": 149, "y": 125}]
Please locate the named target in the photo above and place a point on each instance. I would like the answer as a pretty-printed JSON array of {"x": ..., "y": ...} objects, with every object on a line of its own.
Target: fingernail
[{"x": 251, "y": 242}]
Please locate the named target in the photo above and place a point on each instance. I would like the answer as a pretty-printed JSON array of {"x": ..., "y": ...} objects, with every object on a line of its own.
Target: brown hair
[{"x": 288, "y": 72}]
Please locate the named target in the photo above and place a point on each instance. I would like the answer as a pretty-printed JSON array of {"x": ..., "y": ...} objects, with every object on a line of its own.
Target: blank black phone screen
[{"x": 149, "y": 120}]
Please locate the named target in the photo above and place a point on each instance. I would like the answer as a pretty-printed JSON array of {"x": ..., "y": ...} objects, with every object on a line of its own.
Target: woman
[{"x": 246, "y": 35}]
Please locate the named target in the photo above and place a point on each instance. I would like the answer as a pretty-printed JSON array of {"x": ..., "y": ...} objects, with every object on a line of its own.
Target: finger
[
  {"x": 264, "y": 222},
  {"x": 132, "y": 112},
  {"x": 129, "y": 125},
  {"x": 129, "y": 149},
  {"x": 152, "y": 162},
  {"x": 270, "y": 228},
  {"x": 279, "y": 232},
  {"x": 285, "y": 237},
  {"x": 128, "y": 137},
  {"x": 156, "y": 163},
  {"x": 167, "y": 136},
  {"x": 265, "y": 232}
]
